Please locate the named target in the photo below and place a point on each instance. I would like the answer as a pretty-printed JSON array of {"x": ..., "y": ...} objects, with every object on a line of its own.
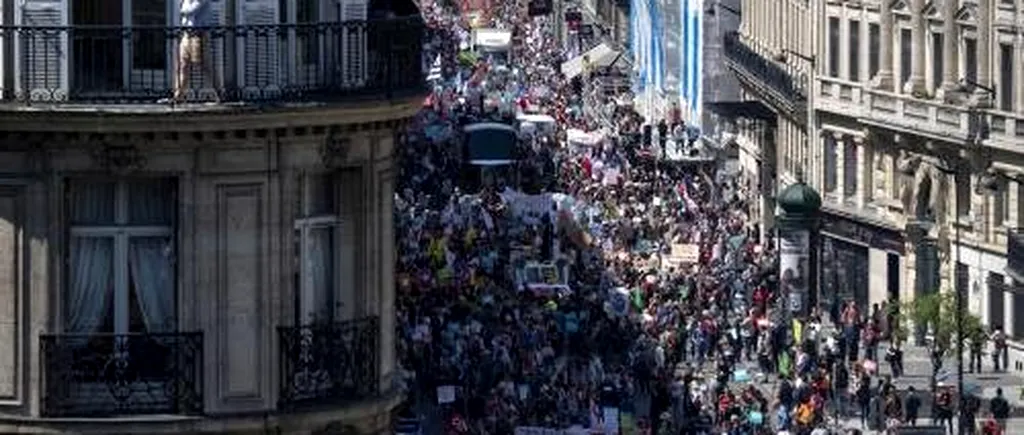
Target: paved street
[{"x": 918, "y": 370}]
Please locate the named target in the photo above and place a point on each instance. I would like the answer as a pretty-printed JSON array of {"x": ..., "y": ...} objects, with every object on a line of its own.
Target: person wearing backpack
[{"x": 1000, "y": 409}]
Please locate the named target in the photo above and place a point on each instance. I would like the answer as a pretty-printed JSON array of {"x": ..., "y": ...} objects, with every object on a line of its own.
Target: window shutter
[
  {"x": 353, "y": 42},
  {"x": 260, "y": 54},
  {"x": 42, "y": 66}
]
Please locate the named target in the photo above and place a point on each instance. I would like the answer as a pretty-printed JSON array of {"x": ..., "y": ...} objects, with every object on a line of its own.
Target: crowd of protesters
[{"x": 664, "y": 343}]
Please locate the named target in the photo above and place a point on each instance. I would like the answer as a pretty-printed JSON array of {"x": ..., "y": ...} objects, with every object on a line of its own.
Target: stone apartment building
[
  {"x": 219, "y": 262},
  {"x": 917, "y": 144}
]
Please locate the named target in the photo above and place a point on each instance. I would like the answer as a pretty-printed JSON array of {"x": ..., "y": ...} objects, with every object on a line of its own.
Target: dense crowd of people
[{"x": 625, "y": 333}]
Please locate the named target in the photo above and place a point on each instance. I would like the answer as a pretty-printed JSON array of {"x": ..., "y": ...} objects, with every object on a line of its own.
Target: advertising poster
[{"x": 794, "y": 266}]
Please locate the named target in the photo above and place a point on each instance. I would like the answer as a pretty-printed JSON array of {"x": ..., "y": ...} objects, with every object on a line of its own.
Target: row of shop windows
[
  {"x": 845, "y": 272},
  {"x": 996, "y": 300}
]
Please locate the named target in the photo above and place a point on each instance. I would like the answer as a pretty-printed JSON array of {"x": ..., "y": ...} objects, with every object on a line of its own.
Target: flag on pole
[{"x": 695, "y": 60}]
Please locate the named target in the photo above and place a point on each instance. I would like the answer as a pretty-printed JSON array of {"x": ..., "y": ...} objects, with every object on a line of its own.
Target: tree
[{"x": 937, "y": 312}]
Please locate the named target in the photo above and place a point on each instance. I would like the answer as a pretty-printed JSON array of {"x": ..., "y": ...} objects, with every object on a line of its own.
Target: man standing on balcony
[{"x": 196, "y": 17}]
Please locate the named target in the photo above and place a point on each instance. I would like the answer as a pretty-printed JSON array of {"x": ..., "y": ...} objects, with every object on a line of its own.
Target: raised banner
[
  {"x": 684, "y": 254},
  {"x": 537, "y": 430}
]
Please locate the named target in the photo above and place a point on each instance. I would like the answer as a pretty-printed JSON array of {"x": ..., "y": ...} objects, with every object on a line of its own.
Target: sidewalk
[{"x": 918, "y": 367}]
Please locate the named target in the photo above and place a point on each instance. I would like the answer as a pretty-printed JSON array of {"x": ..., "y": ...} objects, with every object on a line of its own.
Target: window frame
[
  {"x": 305, "y": 223},
  {"x": 121, "y": 233},
  {"x": 834, "y": 36},
  {"x": 854, "y": 44}
]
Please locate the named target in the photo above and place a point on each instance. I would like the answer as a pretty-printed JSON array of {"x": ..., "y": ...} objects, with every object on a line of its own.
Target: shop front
[{"x": 859, "y": 262}]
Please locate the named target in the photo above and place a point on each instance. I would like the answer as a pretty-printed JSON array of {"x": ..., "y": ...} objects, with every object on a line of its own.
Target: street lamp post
[{"x": 976, "y": 135}]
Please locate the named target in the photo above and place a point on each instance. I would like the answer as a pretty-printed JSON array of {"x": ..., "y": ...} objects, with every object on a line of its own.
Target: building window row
[
  {"x": 850, "y": 48},
  {"x": 121, "y": 258}
]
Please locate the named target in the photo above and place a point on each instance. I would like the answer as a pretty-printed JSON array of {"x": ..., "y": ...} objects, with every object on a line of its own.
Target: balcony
[
  {"x": 780, "y": 87},
  {"x": 839, "y": 96},
  {"x": 329, "y": 363},
  {"x": 98, "y": 375},
  {"x": 280, "y": 64},
  {"x": 930, "y": 118}
]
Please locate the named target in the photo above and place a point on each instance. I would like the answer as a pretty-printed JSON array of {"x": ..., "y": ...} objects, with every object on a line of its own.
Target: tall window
[
  {"x": 854, "y": 41},
  {"x": 105, "y": 52},
  {"x": 906, "y": 56},
  {"x": 971, "y": 59},
  {"x": 996, "y": 291},
  {"x": 1006, "y": 77},
  {"x": 1001, "y": 205},
  {"x": 120, "y": 269},
  {"x": 937, "y": 59},
  {"x": 318, "y": 239},
  {"x": 874, "y": 41},
  {"x": 963, "y": 194},
  {"x": 833, "y": 46},
  {"x": 850, "y": 168},
  {"x": 831, "y": 162}
]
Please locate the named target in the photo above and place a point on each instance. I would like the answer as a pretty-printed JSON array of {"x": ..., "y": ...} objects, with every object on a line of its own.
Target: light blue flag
[{"x": 695, "y": 44}]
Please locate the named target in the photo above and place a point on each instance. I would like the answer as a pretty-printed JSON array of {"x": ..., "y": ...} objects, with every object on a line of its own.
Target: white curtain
[
  {"x": 152, "y": 274},
  {"x": 320, "y": 270},
  {"x": 91, "y": 274}
]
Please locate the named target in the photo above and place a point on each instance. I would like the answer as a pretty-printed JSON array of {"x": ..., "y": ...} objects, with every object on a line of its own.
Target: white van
[{"x": 495, "y": 44}]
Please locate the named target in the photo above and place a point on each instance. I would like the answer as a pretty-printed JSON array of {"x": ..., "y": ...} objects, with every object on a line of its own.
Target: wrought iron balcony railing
[
  {"x": 117, "y": 374},
  {"x": 244, "y": 63},
  {"x": 328, "y": 363},
  {"x": 789, "y": 87}
]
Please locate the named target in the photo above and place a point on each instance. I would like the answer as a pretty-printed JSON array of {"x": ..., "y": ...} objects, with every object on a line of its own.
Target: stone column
[
  {"x": 840, "y": 166},
  {"x": 1018, "y": 73},
  {"x": 917, "y": 49},
  {"x": 984, "y": 50},
  {"x": 883, "y": 78},
  {"x": 950, "y": 39},
  {"x": 865, "y": 171}
]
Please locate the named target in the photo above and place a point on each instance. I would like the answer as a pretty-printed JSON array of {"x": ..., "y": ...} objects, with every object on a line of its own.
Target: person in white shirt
[{"x": 196, "y": 17}]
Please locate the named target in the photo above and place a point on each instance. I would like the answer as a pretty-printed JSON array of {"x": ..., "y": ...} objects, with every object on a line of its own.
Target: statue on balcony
[{"x": 906, "y": 166}]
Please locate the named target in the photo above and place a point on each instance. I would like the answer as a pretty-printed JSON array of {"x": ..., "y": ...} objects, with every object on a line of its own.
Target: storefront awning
[
  {"x": 491, "y": 144},
  {"x": 598, "y": 57},
  {"x": 751, "y": 109}
]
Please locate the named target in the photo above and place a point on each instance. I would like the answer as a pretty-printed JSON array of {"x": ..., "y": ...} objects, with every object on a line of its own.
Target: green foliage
[{"x": 937, "y": 311}]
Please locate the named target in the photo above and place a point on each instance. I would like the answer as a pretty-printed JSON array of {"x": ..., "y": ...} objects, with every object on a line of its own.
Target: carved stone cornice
[
  {"x": 143, "y": 119},
  {"x": 118, "y": 159}
]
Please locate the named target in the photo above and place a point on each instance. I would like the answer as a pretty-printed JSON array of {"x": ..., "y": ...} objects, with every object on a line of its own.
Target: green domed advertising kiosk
[{"x": 797, "y": 239}]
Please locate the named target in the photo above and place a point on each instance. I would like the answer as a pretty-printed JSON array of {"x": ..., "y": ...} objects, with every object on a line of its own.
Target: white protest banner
[
  {"x": 684, "y": 253},
  {"x": 535, "y": 430},
  {"x": 445, "y": 394}
]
